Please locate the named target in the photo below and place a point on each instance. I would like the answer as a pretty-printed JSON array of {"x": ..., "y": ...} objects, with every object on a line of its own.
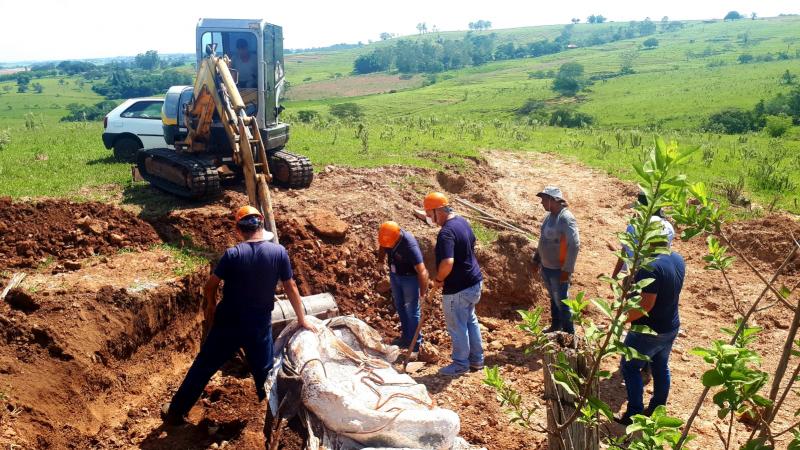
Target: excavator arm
[{"x": 216, "y": 91}]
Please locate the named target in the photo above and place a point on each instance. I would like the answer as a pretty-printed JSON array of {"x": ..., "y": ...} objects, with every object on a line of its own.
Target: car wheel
[{"x": 125, "y": 149}]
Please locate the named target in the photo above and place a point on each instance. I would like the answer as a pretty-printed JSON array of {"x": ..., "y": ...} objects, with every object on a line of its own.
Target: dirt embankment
[{"x": 33, "y": 234}]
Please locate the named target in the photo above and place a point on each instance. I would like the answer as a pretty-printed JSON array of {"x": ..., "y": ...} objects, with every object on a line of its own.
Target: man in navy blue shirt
[
  {"x": 459, "y": 276},
  {"x": 251, "y": 271},
  {"x": 408, "y": 277},
  {"x": 660, "y": 302}
]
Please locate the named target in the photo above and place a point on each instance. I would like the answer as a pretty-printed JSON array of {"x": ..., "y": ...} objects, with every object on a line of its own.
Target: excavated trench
[{"x": 103, "y": 330}]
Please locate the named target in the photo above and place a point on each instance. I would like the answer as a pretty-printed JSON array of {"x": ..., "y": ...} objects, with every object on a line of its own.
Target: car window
[{"x": 143, "y": 110}]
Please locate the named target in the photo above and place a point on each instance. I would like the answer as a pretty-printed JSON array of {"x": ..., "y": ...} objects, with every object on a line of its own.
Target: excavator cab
[{"x": 240, "y": 79}]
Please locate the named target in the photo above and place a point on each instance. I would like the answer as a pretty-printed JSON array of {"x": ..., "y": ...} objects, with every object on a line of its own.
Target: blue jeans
[
  {"x": 462, "y": 325},
  {"x": 559, "y": 312},
  {"x": 658, "y": 348},
  {"x": 221, "y": 344},
  {"x": 405, "y": 292}
]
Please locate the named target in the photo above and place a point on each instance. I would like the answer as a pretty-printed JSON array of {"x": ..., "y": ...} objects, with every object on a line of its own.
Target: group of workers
[{"x": 252, "y": 269}]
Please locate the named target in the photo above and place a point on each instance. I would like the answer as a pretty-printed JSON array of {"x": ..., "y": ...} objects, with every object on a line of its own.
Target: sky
[{"x": 75, "y": 29}]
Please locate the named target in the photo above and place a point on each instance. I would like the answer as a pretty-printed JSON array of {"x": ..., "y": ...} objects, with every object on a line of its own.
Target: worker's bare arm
[
  {"x": 210, "y": 301},
  {"x": 647, "y": 303},
  {"x": 443, "y": 271},
  {"x": 422, "y": 278},
  {"x": 290, "y": 287}
]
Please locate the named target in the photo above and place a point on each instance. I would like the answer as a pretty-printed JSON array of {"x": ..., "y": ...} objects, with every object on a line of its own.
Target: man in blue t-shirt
[
  {"x": 251, "y": 271},
  {"x": 459, "y": 276},
  {"x": 660, "y": 304},
  {"x": 408, "y": 277}
]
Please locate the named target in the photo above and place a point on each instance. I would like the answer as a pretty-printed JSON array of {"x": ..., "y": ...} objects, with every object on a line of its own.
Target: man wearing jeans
[
  {"x": 660, "y": 303},
  {"x": 408, "y": 277},
  {"x": 557, "y": 252},
  {"x": 459, "y": 276}
]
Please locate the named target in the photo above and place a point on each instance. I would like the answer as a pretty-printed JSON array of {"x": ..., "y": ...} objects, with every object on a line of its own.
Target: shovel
[{"x": 416, "y": 332}]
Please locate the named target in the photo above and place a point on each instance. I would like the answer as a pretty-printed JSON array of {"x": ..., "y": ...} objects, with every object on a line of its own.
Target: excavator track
[
  {"x": 179, "y": 174},
  {"x": 290, "y": 170}
]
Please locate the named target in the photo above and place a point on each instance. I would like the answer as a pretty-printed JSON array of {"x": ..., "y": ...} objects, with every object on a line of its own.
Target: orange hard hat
[
  {"x": 388, "y": 234},
  {"x": 434, "y": 200},
  {"x": 245, "y": 211}
]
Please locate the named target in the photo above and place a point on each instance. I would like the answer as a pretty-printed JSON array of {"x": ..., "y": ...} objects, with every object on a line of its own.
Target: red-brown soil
[
  {"x": 37, "y": 233},
  {"x": 88, "y": 356}
]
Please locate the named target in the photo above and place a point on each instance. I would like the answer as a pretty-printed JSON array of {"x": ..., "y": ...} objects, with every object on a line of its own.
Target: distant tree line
[
  {"x": 436, "y": 55},
  {"x": 776, "y": 114},
  {"x": 124, "y": 83}
]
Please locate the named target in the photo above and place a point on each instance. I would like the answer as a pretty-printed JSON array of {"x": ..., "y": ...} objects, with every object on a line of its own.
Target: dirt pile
[
  {"x": 767, "y": 240},
  {"x": 34, "y": 233},
  {"x": 508, "y": 277}
]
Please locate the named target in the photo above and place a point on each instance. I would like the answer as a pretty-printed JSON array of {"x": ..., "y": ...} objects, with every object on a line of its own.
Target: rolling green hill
[{"x": 436, "y": 120}]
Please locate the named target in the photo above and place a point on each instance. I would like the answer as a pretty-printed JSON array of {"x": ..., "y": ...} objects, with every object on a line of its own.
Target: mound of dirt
[
  {"x": 508, "y": 282},
  {"x": 211, "y": 230},
  {"x": 474, "y": 185},
  {"x": 32, "y": 233},
  {"x": 768, "y": 240}
]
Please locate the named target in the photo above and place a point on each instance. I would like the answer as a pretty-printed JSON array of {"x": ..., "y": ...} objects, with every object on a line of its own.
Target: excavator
[{"x": 226, "y": 127}]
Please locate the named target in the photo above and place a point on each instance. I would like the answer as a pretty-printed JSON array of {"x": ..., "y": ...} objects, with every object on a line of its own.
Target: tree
[
  {"x": 38, "y": 88},
  {"x": 596, "y": 18},
  {"x": 569, "y": 79},
  {"x": 575, "y": 20},
  {"x": 665, "y": 20},
  {"x": 148, "y": 60},
  {"x": 23, "y": 80},
  {"x": 733, "y": 15},
  {"x": 788, "y": 78},
  {"x": 650, "y": 43},
  {"x": 480, "y": 25},
  {"x": 745, "y": 58},
  {"x": 386, "y": 36},
  {"x": 422, "y": 28},
  {"x": 753, "y": 16}
]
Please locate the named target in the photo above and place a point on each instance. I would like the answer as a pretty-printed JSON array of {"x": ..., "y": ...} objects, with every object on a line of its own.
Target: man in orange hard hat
[
  {"x": 408, "y": 277},
  {"x": 243, "y": 319},
  {"x": 459, "y": 276}
]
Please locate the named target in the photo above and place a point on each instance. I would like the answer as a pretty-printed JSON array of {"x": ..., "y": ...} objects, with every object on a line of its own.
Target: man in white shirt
[{"x": 246, "y": 64}]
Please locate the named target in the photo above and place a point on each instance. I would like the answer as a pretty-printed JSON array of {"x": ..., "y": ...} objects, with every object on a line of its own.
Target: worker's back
[{"x": 251, "y": 271}]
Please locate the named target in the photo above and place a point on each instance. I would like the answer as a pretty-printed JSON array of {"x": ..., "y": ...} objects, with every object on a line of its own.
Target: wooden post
[{"x": 560, "y": 404}]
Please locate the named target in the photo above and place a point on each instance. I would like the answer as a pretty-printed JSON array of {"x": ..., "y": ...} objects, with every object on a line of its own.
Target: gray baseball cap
[{"x": 552, "y": 191}]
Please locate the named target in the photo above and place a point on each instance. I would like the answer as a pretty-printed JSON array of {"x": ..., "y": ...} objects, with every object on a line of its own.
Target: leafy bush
[
  {"x": 650, "y": 43},
  {"x": 777, "y": 125},
  {"x": 80, "y": 112},
  {"x": 568, "y": 118},
  {"x": 730, "y": 121},
  {"x": 307, "y": 115},
  {"x": 5, "y": 138},
  {"x": 745, "y": 58},
  {"x": 347, "y": 111},
  {"x": 531, "y": 106}
]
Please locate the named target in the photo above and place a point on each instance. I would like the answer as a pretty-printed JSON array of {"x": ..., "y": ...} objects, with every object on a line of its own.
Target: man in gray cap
[{"x": 556, "y": 254}]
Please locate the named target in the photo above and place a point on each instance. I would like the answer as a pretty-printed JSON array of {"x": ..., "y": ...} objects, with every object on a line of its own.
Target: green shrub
[
  {"x": 79, "y": 112},
  {"x": 730, "y": 121},
  {"x": 347, "y": 111},
  {"x": 5, "y": 138},
  {"x": 307, "y": 115},
  {"x": 745, "y": 58},
  {"x": 531, "y": 106},
  {"x": 568, "y": 118},
  {"x": 777, "y": 125}
]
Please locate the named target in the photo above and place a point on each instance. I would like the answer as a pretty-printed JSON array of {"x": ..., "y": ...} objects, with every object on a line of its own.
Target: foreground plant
[{"x": 734, "y": 375}]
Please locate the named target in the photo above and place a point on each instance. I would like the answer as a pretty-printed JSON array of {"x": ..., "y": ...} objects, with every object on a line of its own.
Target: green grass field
[{"x": 691, "y": 74}]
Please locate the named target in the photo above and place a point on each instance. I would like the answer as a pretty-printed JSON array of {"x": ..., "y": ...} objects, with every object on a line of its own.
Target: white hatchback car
[{"x": 133, "y": 125}]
